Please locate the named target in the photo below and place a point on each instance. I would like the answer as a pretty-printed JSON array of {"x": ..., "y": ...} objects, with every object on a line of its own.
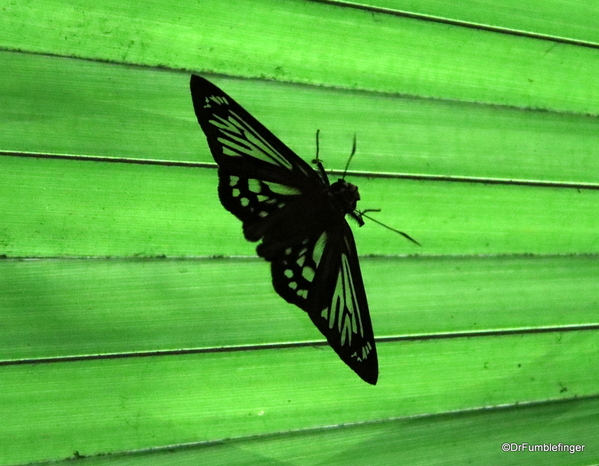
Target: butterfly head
[{"x": 344, "y": 195}]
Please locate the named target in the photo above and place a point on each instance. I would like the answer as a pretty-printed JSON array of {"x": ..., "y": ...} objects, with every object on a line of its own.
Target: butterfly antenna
[
  {"x": 405, "y": 235},
  {"x": 317, "y": 144},
  {"x": 351, "y": 156},
  {"x": 318, "y": 162}
]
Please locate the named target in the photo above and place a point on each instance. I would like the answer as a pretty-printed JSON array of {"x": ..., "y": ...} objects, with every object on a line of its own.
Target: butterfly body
[
  {"x": 299, "y": 217},
  {"x": 304, "y": 217}
]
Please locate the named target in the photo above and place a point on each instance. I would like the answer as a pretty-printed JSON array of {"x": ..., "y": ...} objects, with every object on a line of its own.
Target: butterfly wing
[
  {"x": 258, "y": 174},
  {"x": 282, "y": 200},
  {"x": 338, "y": 305},
  {"x": 322, "y": 276}
]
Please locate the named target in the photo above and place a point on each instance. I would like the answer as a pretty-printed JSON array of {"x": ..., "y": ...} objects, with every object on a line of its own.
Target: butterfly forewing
[
  {"x": 338, "y": 305},
  {"x": 240, "y": 143},
  {"x": 282, "y": 201},
  {"x": 322, "y": 276}
]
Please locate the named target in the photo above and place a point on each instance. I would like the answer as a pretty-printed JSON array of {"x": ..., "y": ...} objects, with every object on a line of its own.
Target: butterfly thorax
[{"x": 344, "y": 196}]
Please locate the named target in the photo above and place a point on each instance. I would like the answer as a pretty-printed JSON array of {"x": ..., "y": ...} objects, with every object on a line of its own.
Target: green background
[{"x": 136, "y": 324}]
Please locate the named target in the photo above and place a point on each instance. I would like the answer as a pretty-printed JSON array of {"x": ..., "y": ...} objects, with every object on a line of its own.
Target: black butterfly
[{"x": 300, "y": 218}]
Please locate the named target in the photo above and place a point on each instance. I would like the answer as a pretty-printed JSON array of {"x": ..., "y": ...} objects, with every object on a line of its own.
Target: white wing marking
[{"x": 238, "y": 139}]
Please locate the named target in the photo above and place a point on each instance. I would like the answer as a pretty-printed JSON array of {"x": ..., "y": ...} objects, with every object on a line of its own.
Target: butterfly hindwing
[
  {"x": 282, "y": 201},
  {"x": 252, "y": 200},
  {"x": 293, "y": 272}
]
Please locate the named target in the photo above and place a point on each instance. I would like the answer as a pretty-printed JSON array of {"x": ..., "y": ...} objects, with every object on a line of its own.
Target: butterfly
[{"x": 299, "y": 217}]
